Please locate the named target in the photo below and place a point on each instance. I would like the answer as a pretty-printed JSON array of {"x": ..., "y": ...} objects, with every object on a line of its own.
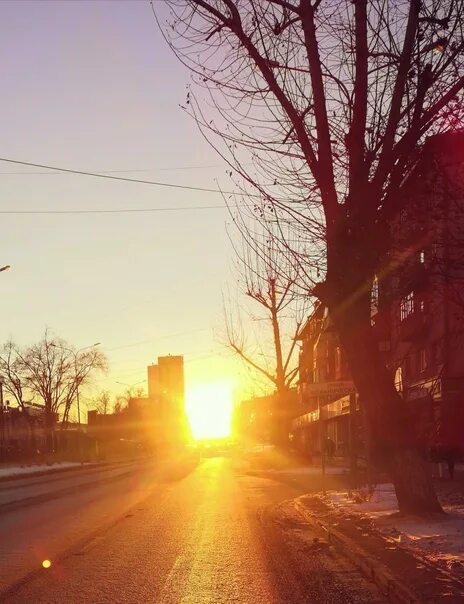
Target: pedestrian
[{"x": 329, "y": 448}]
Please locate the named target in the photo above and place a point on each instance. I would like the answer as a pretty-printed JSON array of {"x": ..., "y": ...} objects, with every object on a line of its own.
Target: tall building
[
  {"x": 171, "y": 388},
  {"x": 153, "y": 381},
  {"x": 166, "y": 392}
]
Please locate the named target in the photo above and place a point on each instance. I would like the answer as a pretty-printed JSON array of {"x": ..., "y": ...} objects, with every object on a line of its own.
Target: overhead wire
[
  {"x": 118, "y": 211},
  {"x": 110, "y": 176},
  {"x": 119, "y": 178}
]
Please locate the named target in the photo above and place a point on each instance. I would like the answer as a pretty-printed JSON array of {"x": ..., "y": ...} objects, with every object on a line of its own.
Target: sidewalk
[{"x": 411, "y": 560}]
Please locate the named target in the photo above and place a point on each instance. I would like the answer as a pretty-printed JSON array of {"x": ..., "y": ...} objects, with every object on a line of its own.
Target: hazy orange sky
[{"x": 92, "y": 86}]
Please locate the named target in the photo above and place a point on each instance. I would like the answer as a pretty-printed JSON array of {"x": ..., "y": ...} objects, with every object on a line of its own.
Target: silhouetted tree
[
  {"x": 121, "y": 400},
  {"x": 268, "y": 278},
  {"x": 14, "y": 383},
  {"x": 52, "y": 371},
  {"x": 102, "y": 402},
  {"x": 319, "y": 106}
]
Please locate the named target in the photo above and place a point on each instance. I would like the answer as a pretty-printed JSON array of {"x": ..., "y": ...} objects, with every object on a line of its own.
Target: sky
[{"x": 92, "y": 86}]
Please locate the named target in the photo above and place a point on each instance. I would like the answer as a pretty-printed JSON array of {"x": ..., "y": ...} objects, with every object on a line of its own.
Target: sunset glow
[{"x": 209, "y": 410}]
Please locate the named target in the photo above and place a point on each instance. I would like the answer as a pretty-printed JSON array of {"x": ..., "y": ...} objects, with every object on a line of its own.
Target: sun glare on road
[{"x": 209, "y": 410}]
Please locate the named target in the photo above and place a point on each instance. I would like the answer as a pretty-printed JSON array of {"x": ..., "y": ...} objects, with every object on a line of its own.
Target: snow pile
[
  {"x": 33, "y": 469},
  {"x": 437, "y": 540},
  {"x": 310, "y": 471}
]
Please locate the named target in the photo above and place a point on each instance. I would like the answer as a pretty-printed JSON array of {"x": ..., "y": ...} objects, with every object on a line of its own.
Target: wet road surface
[{"x": 215, "y": 536}]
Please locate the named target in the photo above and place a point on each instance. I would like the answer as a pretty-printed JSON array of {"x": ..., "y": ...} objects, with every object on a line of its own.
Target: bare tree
[
  {"x": 14, "y": 383},
  {"x": 52, "y": 371},
  {"x": 102, "y": 402},
  {"x": 318, "y": 106},
  {"x": 268, "y": 279},
  {"x": 121, "y": 400}
]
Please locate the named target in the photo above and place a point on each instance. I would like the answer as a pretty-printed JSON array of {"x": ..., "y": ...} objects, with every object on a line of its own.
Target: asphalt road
[{"x": 215, "y": 535}]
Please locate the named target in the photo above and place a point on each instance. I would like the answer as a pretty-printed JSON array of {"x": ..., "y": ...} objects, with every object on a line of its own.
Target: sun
[{"x": 209, "y": 410}]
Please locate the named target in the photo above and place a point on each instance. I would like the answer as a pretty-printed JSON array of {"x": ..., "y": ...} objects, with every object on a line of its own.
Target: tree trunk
[
  {"x": 413, "y": 483},
  {"x": 394, "y": 446}
]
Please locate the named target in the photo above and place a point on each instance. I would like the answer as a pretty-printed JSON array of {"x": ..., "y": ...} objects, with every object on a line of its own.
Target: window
[
  {"x": 422, "y": 256},
  {"x": 399, "y": 380},
  {"x": 375, "y": 296},
  {"x": 407, "y": 306}
]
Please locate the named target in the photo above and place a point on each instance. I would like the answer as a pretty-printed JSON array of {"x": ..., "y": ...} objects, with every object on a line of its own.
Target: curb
[
  {"x": 11, "y": 506},
  {"x": 377, "y": 572},
  {"x": 52, "y": 471}
]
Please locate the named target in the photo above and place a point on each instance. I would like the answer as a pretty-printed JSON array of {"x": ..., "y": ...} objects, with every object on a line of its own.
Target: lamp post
[
  {"x": 130, "y": 385},
  {"x": 75, "y": 370}
]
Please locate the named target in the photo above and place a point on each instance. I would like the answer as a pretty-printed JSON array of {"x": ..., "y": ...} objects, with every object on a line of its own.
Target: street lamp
[
  {"x": 75, "y": 370},
  {"x": 130, "y": 385}
]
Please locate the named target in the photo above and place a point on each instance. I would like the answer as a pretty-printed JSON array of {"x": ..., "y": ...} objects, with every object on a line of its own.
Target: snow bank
[
  {"x": 309, "y": 471},
  {"x": 33, "y": 469},
  {"x": 439, "y": 540}
]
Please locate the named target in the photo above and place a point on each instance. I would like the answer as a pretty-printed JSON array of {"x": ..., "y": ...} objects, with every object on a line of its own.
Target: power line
[
  {"x": 172, "y": 168},
  {"x": 164, "y": 337},
  {"x": 119, "y": 178},
  {"x": 114, "y": 211},
  {"x": 49, "y": 172}
]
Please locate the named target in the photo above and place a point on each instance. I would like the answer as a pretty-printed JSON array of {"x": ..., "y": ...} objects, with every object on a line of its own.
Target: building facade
[
  {"x": 158, "y": 421},
  {"x": 326, "y": 394},
  {"x": 417, "y": 317},
  {"x": 423, "y": 303}
]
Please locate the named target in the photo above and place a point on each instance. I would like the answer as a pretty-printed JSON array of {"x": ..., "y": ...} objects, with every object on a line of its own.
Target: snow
[
  {"x": 309, "y": 471},
  {"x": 439, "y": 539},
  {"x": 12, "y": 471}
]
